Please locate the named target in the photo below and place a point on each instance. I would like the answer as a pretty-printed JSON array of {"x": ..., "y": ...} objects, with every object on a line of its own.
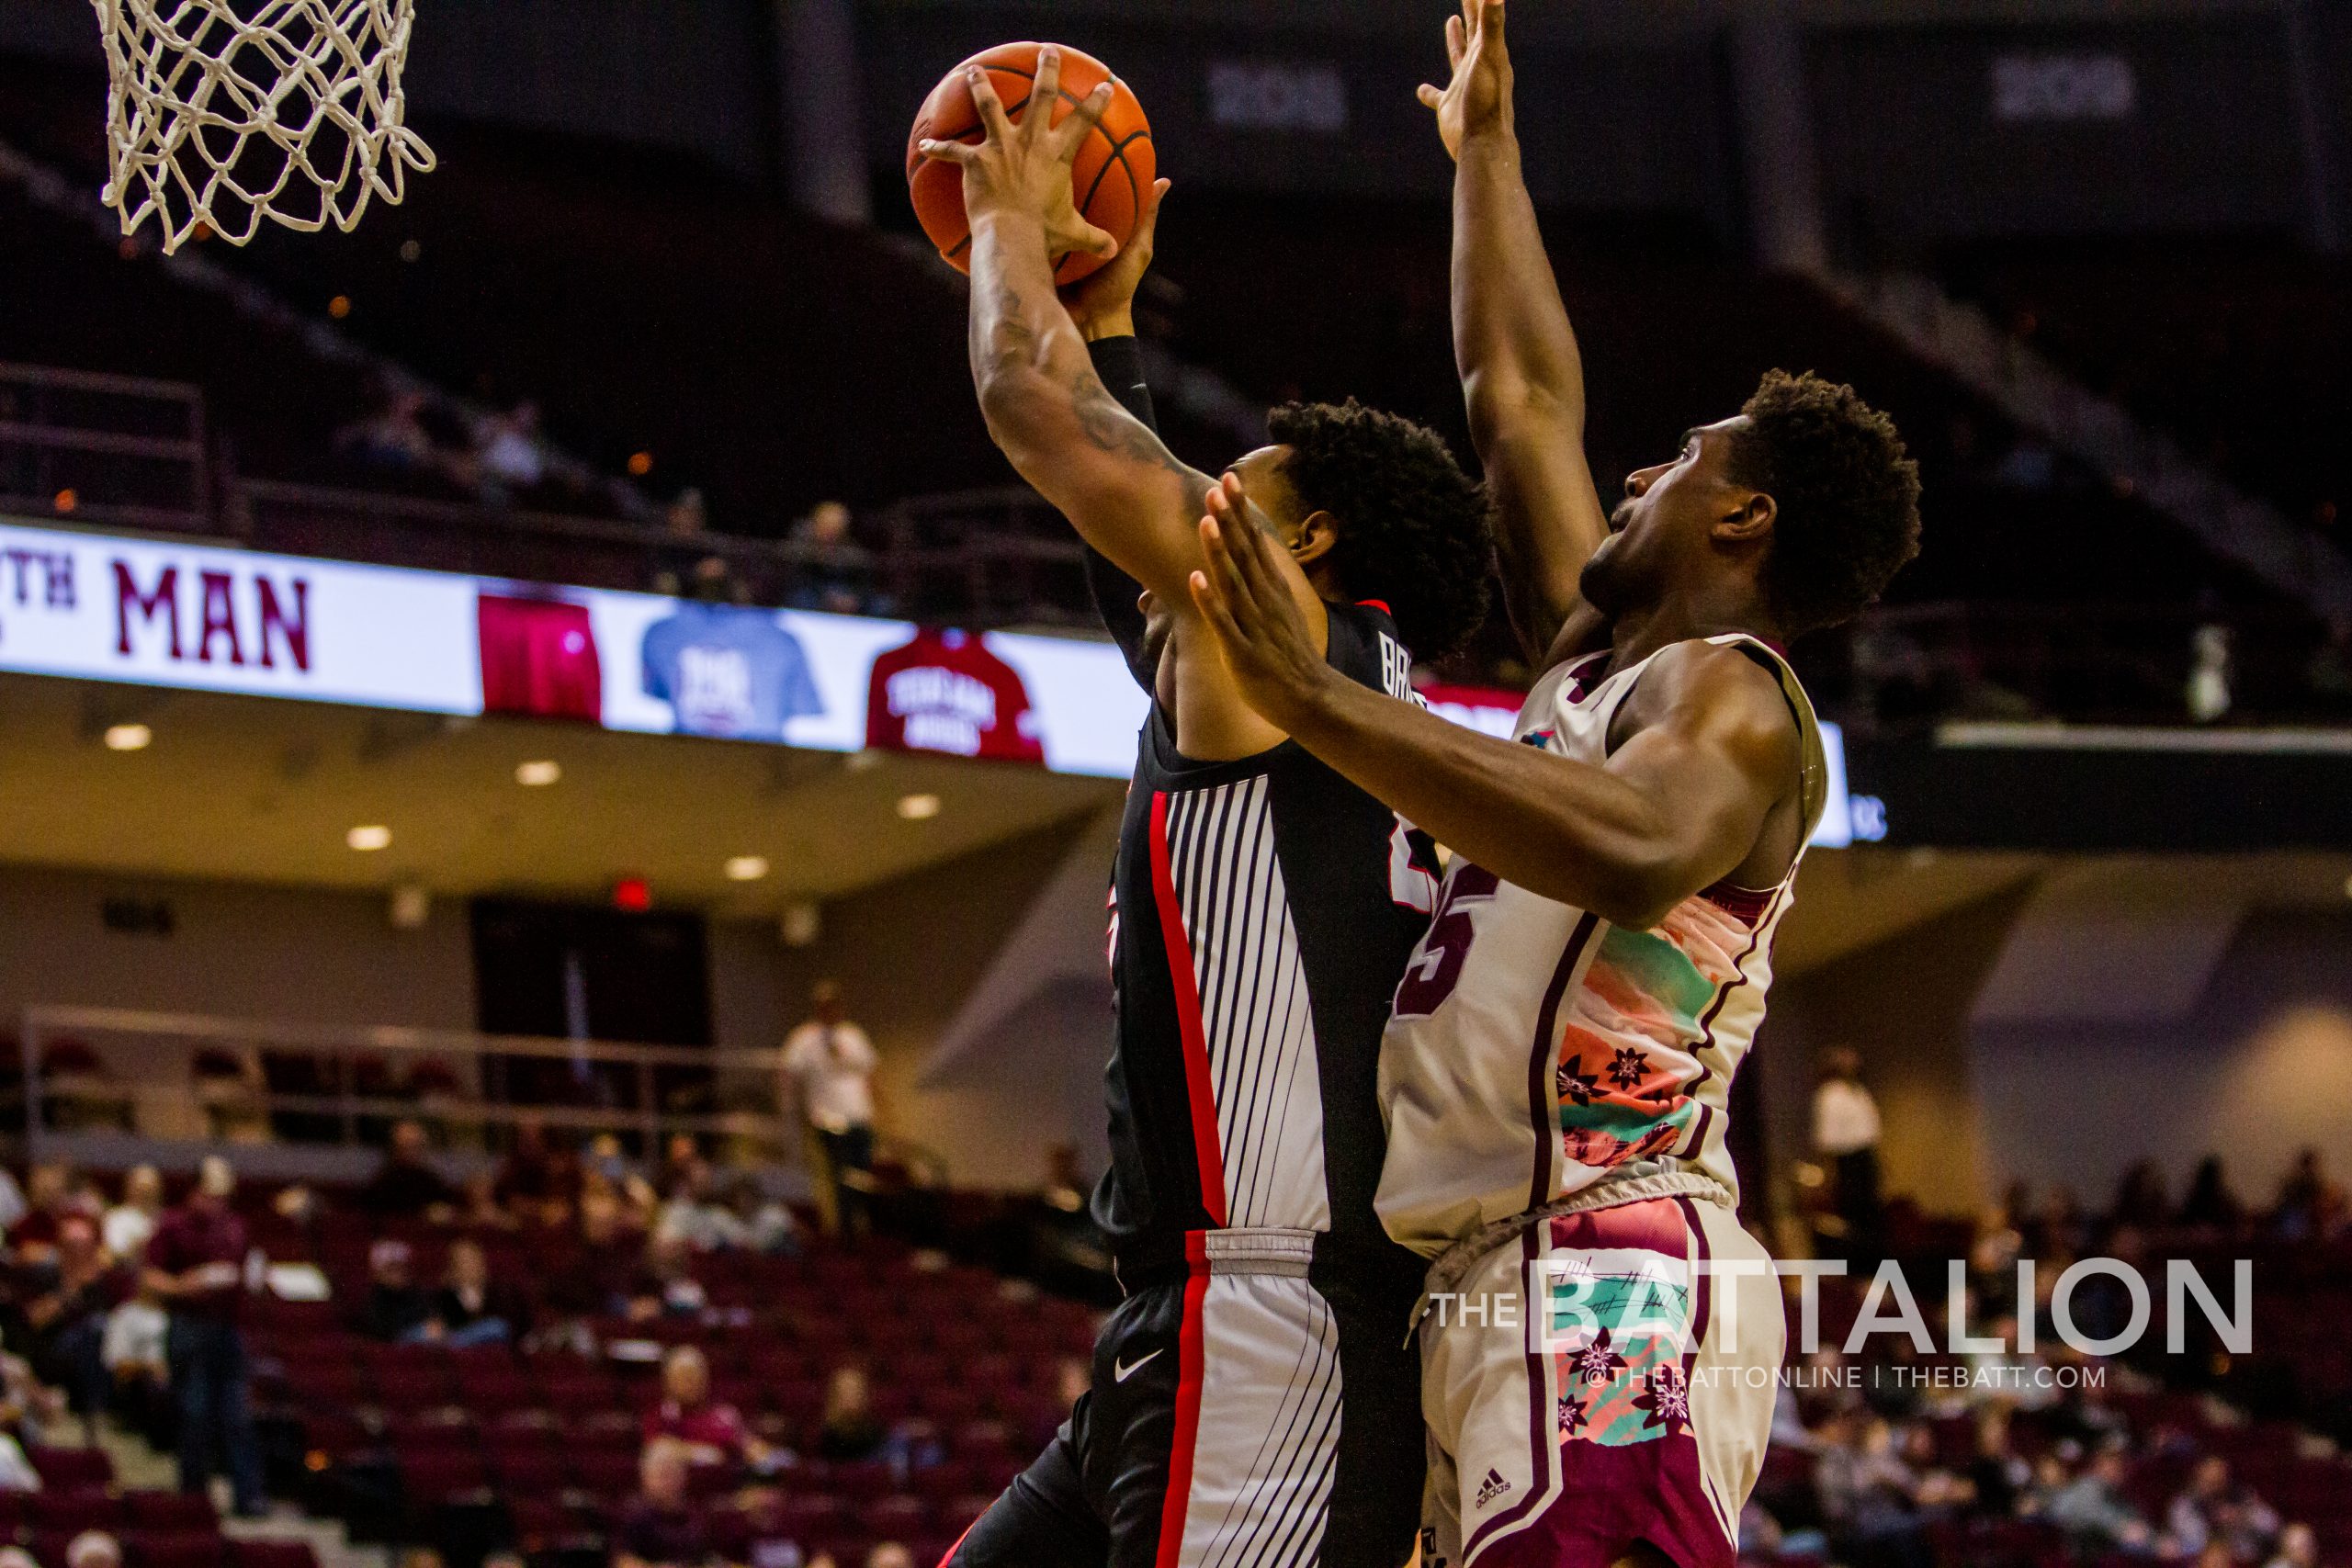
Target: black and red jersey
[{"x": 1263, "y": 910}]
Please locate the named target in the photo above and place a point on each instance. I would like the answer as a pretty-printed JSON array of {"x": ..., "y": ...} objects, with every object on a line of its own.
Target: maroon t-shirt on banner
[
  {"x": 946, "y": 692},
  {"x": 196, "y": 1238},
  {"x": 538, "y": 658}
]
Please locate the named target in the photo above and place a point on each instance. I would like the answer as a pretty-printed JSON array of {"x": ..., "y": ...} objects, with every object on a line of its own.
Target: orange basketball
[{"x": 1114, "y": 168}]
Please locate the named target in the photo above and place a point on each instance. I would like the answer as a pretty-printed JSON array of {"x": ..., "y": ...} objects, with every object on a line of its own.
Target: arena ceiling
[{"x": 261, "y": 790}]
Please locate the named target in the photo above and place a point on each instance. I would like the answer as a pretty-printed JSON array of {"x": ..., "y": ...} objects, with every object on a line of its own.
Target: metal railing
[
  {"x": 172, "y": 1077},
  {"x": 113, "y": 451},
  {"x": 117, "y": 451}
]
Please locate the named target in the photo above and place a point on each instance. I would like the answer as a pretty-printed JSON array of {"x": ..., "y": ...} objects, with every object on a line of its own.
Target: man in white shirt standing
[
  {"x": 1846, "y": 1134},
  {"x": 832, "y": 1062}
]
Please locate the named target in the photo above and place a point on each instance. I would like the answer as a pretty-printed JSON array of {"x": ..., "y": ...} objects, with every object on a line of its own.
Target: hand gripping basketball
[{"x": 1024, "y": 169}]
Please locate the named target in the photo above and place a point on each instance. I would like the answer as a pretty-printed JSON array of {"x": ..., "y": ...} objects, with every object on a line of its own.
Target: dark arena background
[{"x": 368, "y": 823}]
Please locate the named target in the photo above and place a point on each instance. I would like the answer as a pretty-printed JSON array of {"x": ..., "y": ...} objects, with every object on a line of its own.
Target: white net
[{"x": 224, "y": 112}]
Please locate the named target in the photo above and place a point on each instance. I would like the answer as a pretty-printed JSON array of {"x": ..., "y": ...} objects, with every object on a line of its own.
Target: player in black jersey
[{"x": 1253, "y": 1405}]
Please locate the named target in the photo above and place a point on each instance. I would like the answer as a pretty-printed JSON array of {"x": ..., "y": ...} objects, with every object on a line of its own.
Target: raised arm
[
  {"x": 1045, "y": 406},
  {"x": 1522, "y": 376}
]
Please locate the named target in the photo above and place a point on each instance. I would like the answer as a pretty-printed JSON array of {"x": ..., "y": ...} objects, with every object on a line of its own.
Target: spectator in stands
[
  {"x": 1846, "y": 1133},
  {"x": 2216, "y": 1507},
  {"x": 93, "y": 1549},
  {"x": 850, "y": 1431},
  {"x": 666, "y": 1286},
  {"x": 196, "y": 1261},
  {"x": 696, "y": 1212},
  {"x": 660, "y": 1529},
  {"x": 890, "y": 1554},
  {"x": 17, "y": 1556},
  {"x": 1870, "y": 1495},
  {"x": 65, "y": 1315},
  {"x": 2209, "y": 1206},
  {"x": 471, "y": 1309},
  {"x": 478, "y": 1205},
  {"x": 2329, "y": 674},
  {"x": 596, "y": 1281},
  {"x": 711, "y": 1430},
  {"x": 406, "y": 1186},
  {"x": 768, "y": 1541},
  {"x": 770, "y": 1227},
  {"x": 832, "y": 1062},
  {"x": 2208, "y": 695},
  {"x": 2310, "y": 1206},
  {"x": 50, "y": 1199},
  {"x": 137, "y": 1364},
  {"x": 2140, "y": 1200},
  {"x": 12, "y": 1200},
  {"x": 393, "y": 438},
  {"x": 708, "y": 576},
  {"x": 2297, "y": 1548},
  {"x": 835, "y": 572},
  {"x": 2094, "y": 1510},
  {"x": 1997, "y": 1474},
  {"x": 507, "y": 448},
  {"x": 540, "y": 1179},
  {"x": 129, "y": 1222},
  {"x": 396, "y": 1306}
]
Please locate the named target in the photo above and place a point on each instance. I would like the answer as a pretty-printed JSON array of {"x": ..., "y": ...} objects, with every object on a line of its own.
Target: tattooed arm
[{"x": 1126, "y": 493}]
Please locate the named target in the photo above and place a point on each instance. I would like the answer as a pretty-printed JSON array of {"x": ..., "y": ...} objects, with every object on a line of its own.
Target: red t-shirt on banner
[
  {"x": 538, "y": 658},
  {"x": 945, "y": 692}
]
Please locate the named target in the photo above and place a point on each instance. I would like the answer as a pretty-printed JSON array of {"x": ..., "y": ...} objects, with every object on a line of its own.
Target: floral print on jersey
[
  {"x": 1620, "y": 1321},
  {"x": 1629, "y": 1048}
]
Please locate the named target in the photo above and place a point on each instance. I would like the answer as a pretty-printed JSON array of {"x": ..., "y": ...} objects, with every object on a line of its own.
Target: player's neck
[{"x": 1686, "y": 616}]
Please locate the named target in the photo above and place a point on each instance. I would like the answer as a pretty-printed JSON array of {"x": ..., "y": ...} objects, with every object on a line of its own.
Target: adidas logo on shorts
[{"x": 1492, "y": 1487}]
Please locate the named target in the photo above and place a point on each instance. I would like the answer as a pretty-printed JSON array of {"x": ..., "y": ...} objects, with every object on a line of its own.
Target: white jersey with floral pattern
[{"x": 1536, "y": 1050}]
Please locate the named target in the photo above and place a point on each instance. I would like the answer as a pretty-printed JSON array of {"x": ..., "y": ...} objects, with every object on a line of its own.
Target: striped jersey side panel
[{"x": 1255, "y": 1018}]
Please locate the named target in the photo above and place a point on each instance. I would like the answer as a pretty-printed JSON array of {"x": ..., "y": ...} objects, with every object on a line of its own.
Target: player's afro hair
[
  {"x": 1847, "y": 497},
  {"x": 1414, "y": 530}
]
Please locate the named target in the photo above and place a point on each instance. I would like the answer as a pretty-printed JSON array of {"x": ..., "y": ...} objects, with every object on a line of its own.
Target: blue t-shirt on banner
[{"x": 729, "y": 671}]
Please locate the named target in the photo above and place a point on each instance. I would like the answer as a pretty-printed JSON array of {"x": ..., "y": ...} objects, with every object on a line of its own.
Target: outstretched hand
[
  {"x": 1103, "y": 302},
  {"x": 1253, "y": 616},
  {"x": 1024, "y": 169},
  {"x": 1478, "y": 98}
]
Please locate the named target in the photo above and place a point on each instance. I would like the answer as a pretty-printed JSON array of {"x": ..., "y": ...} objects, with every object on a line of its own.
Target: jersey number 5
[{"x": 1436, "y": 967}]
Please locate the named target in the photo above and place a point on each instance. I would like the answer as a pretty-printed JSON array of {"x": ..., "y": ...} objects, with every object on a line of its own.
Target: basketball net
[{"x": 291, "y": 111}]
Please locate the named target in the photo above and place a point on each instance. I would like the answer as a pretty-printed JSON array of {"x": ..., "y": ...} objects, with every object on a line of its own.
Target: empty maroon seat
[
  {"x": 895, "y": 1518},
  {"x": 539, "y": 1523},
  {"x": 271, "y": 1554},
  {"x": 605, "y": 1475},
  {"x": 530, "y": 1473},
  {"x": 67, "y": 1470},
  {"x": 81, "y": 1508},
  {"x": 177, "y": 1548},
  {"x": 433, "y": 1477},
  {"x": 169, "y": 1511}
]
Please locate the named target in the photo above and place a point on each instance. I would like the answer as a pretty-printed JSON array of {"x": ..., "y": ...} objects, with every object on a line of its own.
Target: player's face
[
  {"x": 1266, "y": 491},
  {"x": 1664, "y": 522}
]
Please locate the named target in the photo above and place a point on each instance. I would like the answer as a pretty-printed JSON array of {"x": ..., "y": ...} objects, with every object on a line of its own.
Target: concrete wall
[
  {"x": 234, "y": 951},
  {"x": 1905, "y": 1003},
  {"x": 2256, "y": 1068},
  {"x": 908, "y": 955}
]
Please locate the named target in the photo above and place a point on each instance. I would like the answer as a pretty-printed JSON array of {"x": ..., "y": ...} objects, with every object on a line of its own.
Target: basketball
[{"x": 1114, "y": 169}]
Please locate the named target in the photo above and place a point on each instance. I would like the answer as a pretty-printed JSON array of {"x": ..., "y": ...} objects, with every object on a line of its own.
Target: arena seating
[
  {"x": 157, "y": 1529},
  {"x": 961, "y": 1367}
]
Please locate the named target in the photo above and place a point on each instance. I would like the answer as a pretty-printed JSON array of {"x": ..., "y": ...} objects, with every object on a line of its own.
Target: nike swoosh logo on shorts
[{"x": 1122, "y": 1371}]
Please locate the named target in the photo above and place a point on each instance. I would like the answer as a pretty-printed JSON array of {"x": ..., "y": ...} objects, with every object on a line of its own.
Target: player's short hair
[
  {"x": 1847, "y": 494},
  {"x": 1416, "y": 532}
]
